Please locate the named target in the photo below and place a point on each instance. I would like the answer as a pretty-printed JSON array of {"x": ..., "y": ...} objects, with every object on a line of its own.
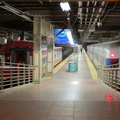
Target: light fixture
[
  {"x": 80, "y": 28},
  {"x": 65, "y": 6},
  {"x": 99, "y": 24},
  {"x": 69, "y": 36}
]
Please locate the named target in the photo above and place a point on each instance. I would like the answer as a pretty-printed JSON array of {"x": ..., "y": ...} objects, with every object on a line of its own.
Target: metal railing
[
  {"x": 110, "y": 75},
  {"x": 15, "y": 74}
]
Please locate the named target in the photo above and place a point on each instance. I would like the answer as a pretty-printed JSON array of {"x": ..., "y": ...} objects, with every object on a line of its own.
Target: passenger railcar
[
  {"x": 107, "y": 53},
  {"x": 22, "y": 52}
]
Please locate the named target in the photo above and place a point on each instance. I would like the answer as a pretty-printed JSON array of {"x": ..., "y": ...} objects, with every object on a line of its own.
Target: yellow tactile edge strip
[
  {"x": 91, "y": 67},
  {"x": 61, "y": 64}
]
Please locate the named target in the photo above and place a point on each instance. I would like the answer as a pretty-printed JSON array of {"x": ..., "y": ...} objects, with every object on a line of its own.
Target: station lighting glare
[
  {"x": 69, "y": 35},
  {"x": 65, "y": 6}
]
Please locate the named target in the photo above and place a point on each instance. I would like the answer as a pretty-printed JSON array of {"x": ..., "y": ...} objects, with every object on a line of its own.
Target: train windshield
[{"x": 20, "y": 57}]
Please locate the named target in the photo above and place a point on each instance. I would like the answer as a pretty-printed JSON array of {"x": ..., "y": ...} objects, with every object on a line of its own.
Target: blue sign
[{"x": 62, "y": 37}]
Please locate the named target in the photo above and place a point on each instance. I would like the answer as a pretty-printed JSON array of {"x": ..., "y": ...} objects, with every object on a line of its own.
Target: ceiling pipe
[
  {"x": 87, "y": 34},
  {"x": 100, "y": 12},
  {"x": 93, "y": 11},
  {"x": 16, "y": 11},
  {"x": 102, "y": 5},
  {"x": 80, "y": 11},
  {"x": 90, "y": 28},
  {"x": 87, "y": 10}
]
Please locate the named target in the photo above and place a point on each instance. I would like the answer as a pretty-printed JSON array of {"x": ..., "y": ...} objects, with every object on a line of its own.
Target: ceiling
[{"x": 91, "y": 21}]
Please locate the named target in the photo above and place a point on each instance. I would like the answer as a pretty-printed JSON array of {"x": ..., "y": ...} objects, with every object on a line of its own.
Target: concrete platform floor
[{"x": 66, "y": 96}]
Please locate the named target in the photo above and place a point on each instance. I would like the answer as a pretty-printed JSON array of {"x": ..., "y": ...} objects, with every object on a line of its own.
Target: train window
[
  {"x": 43, "y": 61},
  {"x": 59, "y": 54},
  {"x": 55, "y": 56}
]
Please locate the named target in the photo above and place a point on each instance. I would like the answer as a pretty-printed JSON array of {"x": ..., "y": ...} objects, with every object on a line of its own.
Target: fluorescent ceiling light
[
  {"x": 69, "y": 36},
  {"x": 65, "y": 6}
]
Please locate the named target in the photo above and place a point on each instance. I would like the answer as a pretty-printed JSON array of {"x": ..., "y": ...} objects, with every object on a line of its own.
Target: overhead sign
[{"x": 62, "y": 38}]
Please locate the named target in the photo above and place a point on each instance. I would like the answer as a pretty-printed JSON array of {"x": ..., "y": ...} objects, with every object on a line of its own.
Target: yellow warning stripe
[
  {"x": 61, "y": 64},
  {"x": 92, "y": 69}
]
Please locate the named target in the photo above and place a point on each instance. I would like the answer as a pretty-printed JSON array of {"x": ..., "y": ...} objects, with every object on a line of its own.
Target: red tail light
[{"x": 113, "y": 55}]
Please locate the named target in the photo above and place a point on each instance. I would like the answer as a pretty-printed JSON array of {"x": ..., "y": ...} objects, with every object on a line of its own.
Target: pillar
[
  {"x": 50, "y": 53},
  {"x": 37, "y": 53}
]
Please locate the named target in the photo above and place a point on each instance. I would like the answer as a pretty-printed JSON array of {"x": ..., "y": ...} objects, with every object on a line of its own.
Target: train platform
[{"x": 67, "y": 95}]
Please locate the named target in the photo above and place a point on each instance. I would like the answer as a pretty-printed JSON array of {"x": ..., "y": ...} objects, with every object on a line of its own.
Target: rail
[
  {"x": 15, "y": 74},
  {"x": 110, "y": 75}
]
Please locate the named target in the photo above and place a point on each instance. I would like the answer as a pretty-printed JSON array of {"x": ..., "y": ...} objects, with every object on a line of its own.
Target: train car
[
  {"x": 22, "y": 52},
  {"x": 107, "y": 53}
]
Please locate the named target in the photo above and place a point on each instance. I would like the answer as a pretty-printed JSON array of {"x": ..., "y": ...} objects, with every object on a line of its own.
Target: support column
[
  {"x": 9, "y": 36},
  {"x": 50, "y": 53},
  {"x": 37, "y": 53}
]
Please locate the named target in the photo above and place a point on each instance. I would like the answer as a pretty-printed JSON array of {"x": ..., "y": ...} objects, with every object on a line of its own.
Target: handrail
[
  {"x": 15, "y": 74},
  {"x": 110, "y": 75},
  {"x": 107, "y": 69},
  {"x": 17, "y": 67}
]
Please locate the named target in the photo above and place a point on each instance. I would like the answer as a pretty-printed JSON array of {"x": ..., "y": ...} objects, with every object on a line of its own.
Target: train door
[{"x": 20, "y": 56}]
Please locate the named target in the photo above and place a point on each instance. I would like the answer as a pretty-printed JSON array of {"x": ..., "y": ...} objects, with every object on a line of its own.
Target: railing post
[
  {"x": 112, "y": 79},
  {"x": 109, "y": 77},
  {"x": 103, "y": 74},
  {"x": 18, "y": 73},
  {"x": 106, "y": 74},
  {"x": 116, "y": 79},
  {"x": 1, "y": 81},
  {"x": 11, "y": 76},
  {"x": 29, "y": 74},
  {"x": 24, "y": 70}
]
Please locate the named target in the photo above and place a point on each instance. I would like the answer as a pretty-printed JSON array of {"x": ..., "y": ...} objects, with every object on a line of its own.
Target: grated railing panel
[
  {"x": 15, "y": 74},
  {"x": 110, "y": 75}
]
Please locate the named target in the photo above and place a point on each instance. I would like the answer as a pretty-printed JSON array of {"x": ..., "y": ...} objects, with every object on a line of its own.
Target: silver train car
[{"x": 106, "y": 53}]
